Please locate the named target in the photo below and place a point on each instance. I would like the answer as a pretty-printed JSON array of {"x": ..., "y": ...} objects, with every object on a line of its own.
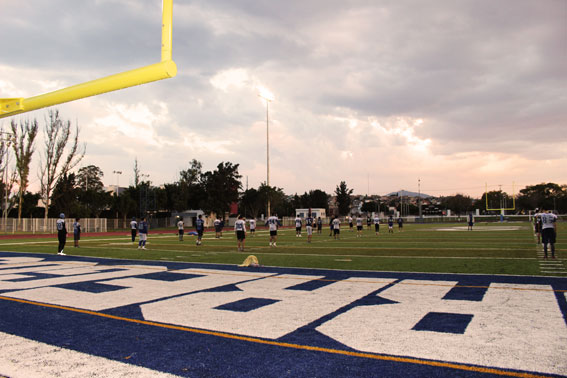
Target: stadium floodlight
[
  {"x": 268, "y": 97},
  {"x": 165, "y": 69}
]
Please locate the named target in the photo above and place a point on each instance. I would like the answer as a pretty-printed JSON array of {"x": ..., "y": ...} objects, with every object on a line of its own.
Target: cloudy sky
[{"x": 376, "y": 93}]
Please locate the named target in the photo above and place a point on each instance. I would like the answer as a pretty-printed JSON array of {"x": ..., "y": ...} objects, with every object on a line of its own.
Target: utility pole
[{"x": 419, "y": 196}]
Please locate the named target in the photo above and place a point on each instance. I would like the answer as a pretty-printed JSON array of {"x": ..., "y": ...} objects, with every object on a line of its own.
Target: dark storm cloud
[{"x": 473, "y": 70}]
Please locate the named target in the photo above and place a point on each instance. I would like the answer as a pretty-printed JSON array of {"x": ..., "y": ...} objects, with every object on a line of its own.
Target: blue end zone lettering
[
  {"x": 90, "y": 287},
  {"x": 254, "y": 322},
  {"x": 245, "y": 305},
  {"x": 467, "y": 291},
  {"x": 444, "y": 322}
]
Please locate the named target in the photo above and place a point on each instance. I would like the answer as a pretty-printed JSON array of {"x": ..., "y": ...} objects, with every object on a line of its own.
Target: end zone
[{"x": 195, "y": 320}]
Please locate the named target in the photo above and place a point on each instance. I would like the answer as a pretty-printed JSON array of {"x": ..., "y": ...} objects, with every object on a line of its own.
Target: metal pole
[
  {"x": 419, "y": 196},
  {"x": 268, "y": 151}
]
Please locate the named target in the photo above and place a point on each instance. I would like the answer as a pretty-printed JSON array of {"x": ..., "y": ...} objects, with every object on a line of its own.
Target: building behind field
[{"x": 315, "y": 213}]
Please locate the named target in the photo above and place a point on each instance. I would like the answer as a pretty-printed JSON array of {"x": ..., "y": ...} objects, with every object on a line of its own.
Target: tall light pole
[
  {"x": 419, "y": 196},
  {"x": 117, "y": 173},
  {"x": 268, "y": 97}
]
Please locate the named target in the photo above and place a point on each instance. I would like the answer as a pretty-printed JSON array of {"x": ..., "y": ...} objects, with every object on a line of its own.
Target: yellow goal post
[
  {"x": 164, "y": 69},
  {"x": 501, "y": 208}
]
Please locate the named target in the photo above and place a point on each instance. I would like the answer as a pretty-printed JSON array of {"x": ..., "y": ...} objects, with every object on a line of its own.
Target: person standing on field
[
  {"x": 143, "y": 231},
  {"x": 336, "y": 227},
  {"x": 180, "y": 229},
  {"x": 240, "y": 229},
  {"x": 537, "y": 226},
  {"x": 548, "y": 232},
  {"x": 77, "y": 232},
  {"x": 134, "y": 228},
  {"x": 309, "y": 227},
  {"x": 61, "y": 234},
  {"x": 200, "y": 227},
  {"x": 377, "y": 224},
  {"x": 252, "y": 226},
  {"x": 217, "y": 226},
  {"x": 319, "y": 225},
  {"x": 358, "y": 226},
  {"x": 298, "y": 224},
  {"x": 390, "y": 224},
  {"x": 273, "y": 222}
]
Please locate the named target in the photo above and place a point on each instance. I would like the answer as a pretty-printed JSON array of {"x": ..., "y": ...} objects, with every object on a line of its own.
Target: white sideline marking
[
  {"x": 481, "y": 228},
  {"x": 23, "y": 358}
]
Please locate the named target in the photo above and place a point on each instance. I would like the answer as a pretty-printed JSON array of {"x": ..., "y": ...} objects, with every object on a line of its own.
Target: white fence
[{"x": 36, "y": 225}]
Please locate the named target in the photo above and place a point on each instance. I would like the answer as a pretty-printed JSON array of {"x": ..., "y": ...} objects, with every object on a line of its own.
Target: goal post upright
[
  {"x": 165, "y": 69},
  {"x": 500, "y": 208}
]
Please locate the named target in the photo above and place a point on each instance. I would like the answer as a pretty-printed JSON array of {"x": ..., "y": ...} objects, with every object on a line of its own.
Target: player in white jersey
[
  {"x": 217, "y": 225},
  {"x": 133, "y": 228},
  {"x": 377, "y": 224},
  {"x": 336, "y": 227},
  {"x": 548, "y": 231},
  {"x": 359, "y": 226},
  {"x": 240, "y": 229},
  {"x": 252, "y": 223},
  {"x": 309, "y": 227},
  {"x": 180, "y": 229},
  {"x": 273, "y": 223},
  {"x": 298, "y": 227},
  {"x": 350, "y": 224}
]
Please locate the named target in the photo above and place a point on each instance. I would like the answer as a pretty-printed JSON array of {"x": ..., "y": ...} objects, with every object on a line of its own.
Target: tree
[
  {"x": 369, "y": 207},
  {"x": 250, "y": 203},
  {"x": 92, "y": 196},
  {"x": 315, "y": 199},
  {"x": 23, "y": 146},
  {"x": 278, "y": 200},
  {"x": 65, "y": 197},
  {"x": 53, "y": 166},
  {"x": 221, "y": 186},
  {"x": 343, "y": 198},
  {"x": 136, "y": 173},
  {"x": 90, "y": 178},
  {"x": 459, "y": 203},
  {"x": 545, "y": 195},
  {"x": 8, "y": 177}
]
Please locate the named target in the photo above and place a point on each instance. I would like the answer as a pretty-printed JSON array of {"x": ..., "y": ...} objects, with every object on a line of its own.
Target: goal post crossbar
[
  {"x": 165, "y": 69},
  {"x": 500, "y": 208}
]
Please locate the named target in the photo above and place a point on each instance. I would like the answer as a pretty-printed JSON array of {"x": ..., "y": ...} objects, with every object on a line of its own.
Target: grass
[{"x": 493, "y": 248}]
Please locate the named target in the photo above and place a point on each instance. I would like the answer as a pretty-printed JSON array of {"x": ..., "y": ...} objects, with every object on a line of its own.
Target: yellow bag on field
[{"x": 250, "y": 261}]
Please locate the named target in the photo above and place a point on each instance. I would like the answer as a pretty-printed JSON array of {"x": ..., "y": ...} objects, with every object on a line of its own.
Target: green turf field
[{"x": 492, "y": 248}]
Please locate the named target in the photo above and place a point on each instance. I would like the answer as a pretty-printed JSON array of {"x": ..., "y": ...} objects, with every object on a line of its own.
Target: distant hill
[{"x": 409, "y": 194}]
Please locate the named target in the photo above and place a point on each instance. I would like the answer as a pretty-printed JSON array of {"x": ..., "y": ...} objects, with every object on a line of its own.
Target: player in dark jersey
[
  {"x": 61, "y": 234},
  {"x": 537, "y": 226},
  {"x": 390, "y": 224},
  {"x": 200, "y": 227},
  {"x": 309, "y": 227},
  {"x": 143, "y": 232}
]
